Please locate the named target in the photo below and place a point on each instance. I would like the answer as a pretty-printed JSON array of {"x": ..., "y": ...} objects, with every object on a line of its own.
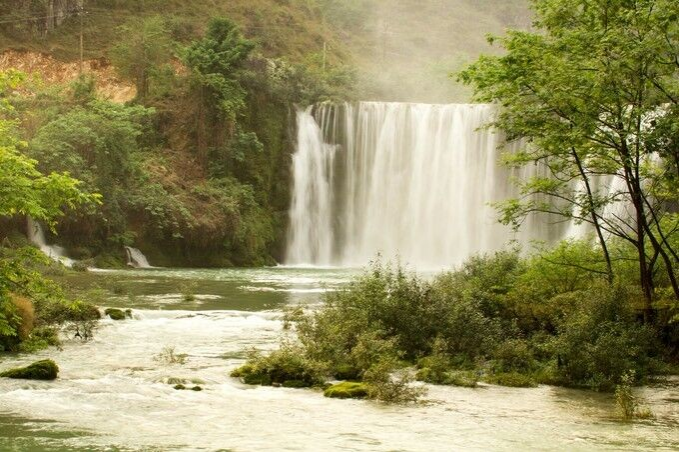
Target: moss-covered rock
[
  {"x": 347, "y": 390},
  {"x": 115, "y": 313},
  {"x": 39, "y": 370}
]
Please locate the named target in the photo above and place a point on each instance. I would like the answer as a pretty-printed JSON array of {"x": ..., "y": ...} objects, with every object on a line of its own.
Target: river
[{"x": 113, "y": 395}]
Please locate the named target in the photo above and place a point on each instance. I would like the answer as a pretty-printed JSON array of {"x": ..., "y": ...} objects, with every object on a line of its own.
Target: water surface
[{"x": 113, "y": 395}]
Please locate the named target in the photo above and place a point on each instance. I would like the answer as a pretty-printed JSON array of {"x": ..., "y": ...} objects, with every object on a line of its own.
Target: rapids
[{"x": 113, "y": 395}]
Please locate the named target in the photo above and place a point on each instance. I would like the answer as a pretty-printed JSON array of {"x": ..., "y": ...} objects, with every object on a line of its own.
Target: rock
[
  {"x": 181, "y": 387},
  {"x": 115, "y": 314},
  {"x": 347, "y": 390},
  {"x": 39, "y": 370}
]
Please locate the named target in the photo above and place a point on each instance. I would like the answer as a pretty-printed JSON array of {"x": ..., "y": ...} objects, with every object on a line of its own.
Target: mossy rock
[
  {"x": 347, "y": 390},
  {"x": 115, "y": 314},
  {"x": 39, "y": 370},
  {"x": 512, "y": 380}
]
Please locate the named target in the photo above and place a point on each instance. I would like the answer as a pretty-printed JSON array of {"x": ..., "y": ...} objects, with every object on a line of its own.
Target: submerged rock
[
  {"x": 116, "y": 314},
  {"x": 347, "y": 390},
  {"x": 39, "y": 370},
  {"x": 181, "y": 387}
]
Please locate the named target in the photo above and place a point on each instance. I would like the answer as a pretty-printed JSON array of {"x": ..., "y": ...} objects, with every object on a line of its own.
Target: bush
[
  {"x": 602, "y": 340},
  {"x": 386, "y": 386},
  {"x": 286, "y": 366},
  {"x": 511, "y": 379},
  {"x": 39, "y": 370}
]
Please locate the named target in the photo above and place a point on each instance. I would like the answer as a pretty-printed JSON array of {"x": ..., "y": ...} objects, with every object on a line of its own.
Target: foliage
[
  {"x": 215, "y": 62},
  {"x": 23, "y": 189},
  {"x": 32, "y": 307},
  {"x": 601, "y": 340},
  {"x": 592, "y": 93},
  {"x": 489, "y": 319},
  {"x": 143, "y": 52},
  {"x": 280, "y": 367}
]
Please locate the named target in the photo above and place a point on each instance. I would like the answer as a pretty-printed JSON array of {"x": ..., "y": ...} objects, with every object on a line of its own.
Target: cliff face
[{"x": 51, "y": 71}]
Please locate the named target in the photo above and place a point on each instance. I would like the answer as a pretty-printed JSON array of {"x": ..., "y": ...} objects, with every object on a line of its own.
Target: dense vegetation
[
  {"x": 501, "y": 318},
  {"x": 32, "y": 307},
  {"x": 194, "y": 171}
]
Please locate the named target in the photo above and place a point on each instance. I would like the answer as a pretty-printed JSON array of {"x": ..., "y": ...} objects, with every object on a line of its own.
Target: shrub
[
  {"x": 511, "y": 379},
  {"x": 601, "y": 340},
  {"x": 283, "y": 366},
  {"x": 514, "y": 355},
  {"x": 386, "y": 386}
]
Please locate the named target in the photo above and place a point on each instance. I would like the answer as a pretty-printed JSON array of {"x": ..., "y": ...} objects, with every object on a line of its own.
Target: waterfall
[
  {"x": 36, "y": 235},
  {"x": 407, "y": 181},
  {"x": 136, "y": 258}
]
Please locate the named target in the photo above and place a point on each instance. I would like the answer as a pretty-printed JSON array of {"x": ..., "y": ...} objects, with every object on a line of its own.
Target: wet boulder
[
  {"x": 115, "y": 313},
  {"x": 39, "y": 370},
  {"x": 347, "y": 390}
]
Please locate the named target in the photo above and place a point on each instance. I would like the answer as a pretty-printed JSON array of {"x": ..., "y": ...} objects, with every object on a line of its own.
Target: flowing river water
[{"x": 113, "y": 395}]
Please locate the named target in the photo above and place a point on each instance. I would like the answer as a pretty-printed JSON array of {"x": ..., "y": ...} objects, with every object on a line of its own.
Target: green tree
[
  {"x": 216, "y": 63},
  {"x": 143, "y": 53},
  {"x": 23, "y": 189},
  {"x": 583, "y": 93}
]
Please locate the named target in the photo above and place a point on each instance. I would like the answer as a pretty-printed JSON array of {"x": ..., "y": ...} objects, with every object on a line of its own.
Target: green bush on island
[
  {"x": 286, "y": 367},
  {"x": 39, "y": 370},
  {"x": 493, "y": 319}
]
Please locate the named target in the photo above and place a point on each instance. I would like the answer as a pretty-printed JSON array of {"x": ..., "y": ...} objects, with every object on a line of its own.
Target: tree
[
  {"x": 216, "y": 63},
  {"x": 588, "y": 93},
  {"x": 23, "y": 189},
  {"x": 143, "y": 53}
]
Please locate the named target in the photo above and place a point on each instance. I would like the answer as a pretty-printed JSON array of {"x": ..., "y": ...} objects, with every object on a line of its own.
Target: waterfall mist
[{"x": 407, "y": 181}]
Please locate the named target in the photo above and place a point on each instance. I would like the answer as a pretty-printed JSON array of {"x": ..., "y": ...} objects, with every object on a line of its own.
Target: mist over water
[{"x": 408, "y": 181}]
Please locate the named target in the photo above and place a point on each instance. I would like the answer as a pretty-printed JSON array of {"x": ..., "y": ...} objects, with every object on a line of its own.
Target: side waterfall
[
  {"x": 136, "y": 258},
  {"x": 407, "y": 181},
  {"x": 36, "y": 235}
]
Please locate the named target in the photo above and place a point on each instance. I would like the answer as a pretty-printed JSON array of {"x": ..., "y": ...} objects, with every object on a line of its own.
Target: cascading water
[
  {"x": 407, "y": 181},
  {"x": 36, "y": 235},
  {"x": 136, "y": 258}
]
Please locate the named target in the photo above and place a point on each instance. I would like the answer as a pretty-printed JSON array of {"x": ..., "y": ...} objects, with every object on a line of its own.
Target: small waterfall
[
  {"x": 136, "y": 258},
  {"x": 36, "y": 235},
  {"x": 412, "y": 181}
]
